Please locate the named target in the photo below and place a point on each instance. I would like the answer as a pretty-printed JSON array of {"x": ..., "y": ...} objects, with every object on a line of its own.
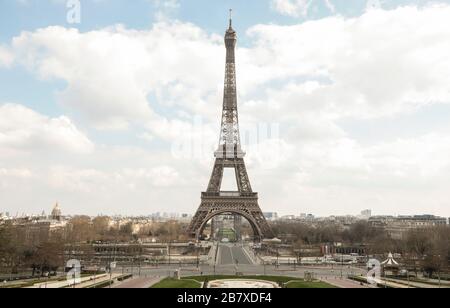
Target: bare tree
[
  {"x": 101, "y": 227},
  {"x": 80, "y": 229}
]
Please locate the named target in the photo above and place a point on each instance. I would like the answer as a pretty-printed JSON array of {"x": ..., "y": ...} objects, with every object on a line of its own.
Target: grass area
[
  {"x": 171, "y": 283},
  {"x": 227, "y": 233},
  {"x": 16, "y": 286},
  {"x": 32, "y": 281},
  {"x": 309, "y": 285},
  {"x": 26, "y": 283},
  {"x": 293, "y": 283},
  {"x": 363, "y": 280},
  {"x": 277, "y": 279},
  {"x": 423, "y": 281}
]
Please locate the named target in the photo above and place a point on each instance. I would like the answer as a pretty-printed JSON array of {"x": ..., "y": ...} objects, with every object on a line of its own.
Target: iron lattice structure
[{"x": 244, "y": 202}]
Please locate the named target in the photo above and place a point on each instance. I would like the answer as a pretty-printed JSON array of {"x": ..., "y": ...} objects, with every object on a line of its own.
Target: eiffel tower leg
[{"x": 216, "y": 177}]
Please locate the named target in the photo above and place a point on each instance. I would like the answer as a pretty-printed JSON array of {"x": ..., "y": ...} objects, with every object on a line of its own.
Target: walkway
[{"x": 138, "y": 283}]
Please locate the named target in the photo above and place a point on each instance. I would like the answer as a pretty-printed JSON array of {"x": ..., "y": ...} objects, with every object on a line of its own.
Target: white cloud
[
  {"x": 294, "y": 8},
  {"x": 14, "y": 177},
  {"x": 301, "y": 8},
  {"x": 22, "y": 129},
  {"x": 378, "y": 64},
  {"x": 6, "y": 57},
  {"x": 19, "y": 173},
  {"x": 307, "y": 77},
  {"x": 112, "y": 72},
  {"x": 402, "y": 177}
]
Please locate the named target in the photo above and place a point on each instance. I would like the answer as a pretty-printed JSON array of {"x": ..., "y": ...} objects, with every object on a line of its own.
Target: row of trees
[
  {"x": 16, "y": 254},
  {"x": 427, "y": 248},
  {"x": 42, "y": 249},
  {"x": 83, "y": 229}
]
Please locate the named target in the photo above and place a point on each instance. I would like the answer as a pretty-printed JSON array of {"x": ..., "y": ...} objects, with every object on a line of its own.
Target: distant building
[
  {"x": 304, "y": 216},
  {"x": 397, "y": 227},
  {"x": 35, "y": 229},
  {"x": 4, "y": 217},
  {"x": 288, "y": 217},
  {"x": 366, "y": 214},
  {"x": 56, "y": 213},
  {"x": 310, "y": 217},
  {"x": 186, "y": 218},
  {"x": 271, "y": 216}
]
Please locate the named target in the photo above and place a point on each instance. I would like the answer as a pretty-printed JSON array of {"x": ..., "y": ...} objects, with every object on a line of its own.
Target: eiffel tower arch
[{"x": 243, "y": 202}]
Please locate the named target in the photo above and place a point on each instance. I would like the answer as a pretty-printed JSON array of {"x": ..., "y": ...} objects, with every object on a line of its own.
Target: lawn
[
  {"x": 309, "y": 285},
  {"x": 222, "y": 277},
  {"x": 295, "y": 284},
  {"x": 171, "y": 283}
]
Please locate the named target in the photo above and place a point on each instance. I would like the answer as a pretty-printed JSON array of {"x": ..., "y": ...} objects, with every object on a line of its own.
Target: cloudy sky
[{"x": 344, "y": 105}]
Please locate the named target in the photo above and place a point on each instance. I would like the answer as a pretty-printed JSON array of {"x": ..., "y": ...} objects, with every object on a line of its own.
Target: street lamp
[
  {"x": 140, "y": 256},
  {"x": 278, "y": 256},
  {"x": 198, "y": 258},
  {"x": 168, "y": 251},
  {"x": 439, "y": 272},
  {"x": 409, "y": 281}
]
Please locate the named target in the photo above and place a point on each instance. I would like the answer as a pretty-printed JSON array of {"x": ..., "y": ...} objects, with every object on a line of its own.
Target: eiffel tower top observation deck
[{"x": 230, "y": 140}]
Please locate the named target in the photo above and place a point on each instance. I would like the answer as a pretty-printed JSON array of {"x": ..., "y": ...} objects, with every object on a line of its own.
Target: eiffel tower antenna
[
  {"x": 229, "y": 155},
  {"x": 231, "y": 18}
]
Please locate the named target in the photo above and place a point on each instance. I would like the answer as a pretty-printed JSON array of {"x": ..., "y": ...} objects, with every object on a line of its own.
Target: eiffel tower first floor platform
[{"x": 245, "y": 205}]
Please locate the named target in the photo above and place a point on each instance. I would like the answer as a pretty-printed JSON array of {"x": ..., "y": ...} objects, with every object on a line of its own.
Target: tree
[
  {"x": 127, "y": 229},
  {"x": 360, "y": 232},
  {"x": 80, "y": 229},
  {"x": 418, "y": 242},
  {"x": 11, "y": 248},
  {"x": 47, "y": 257},
  {"x": 437, "y": 258},
  {"x": 100, "y": 226},
  {"x": 431, "y": 247}
]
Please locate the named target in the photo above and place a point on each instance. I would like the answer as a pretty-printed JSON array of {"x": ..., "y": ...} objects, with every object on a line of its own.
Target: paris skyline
[{"x": 356, "y": 102}]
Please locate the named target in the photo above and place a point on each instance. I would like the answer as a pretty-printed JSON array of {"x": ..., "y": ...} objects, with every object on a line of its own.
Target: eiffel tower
[{"x": 243, "y": 202}]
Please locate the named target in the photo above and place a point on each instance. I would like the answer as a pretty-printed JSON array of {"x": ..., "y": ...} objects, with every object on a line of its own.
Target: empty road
[{"x": 231, "y": 254}]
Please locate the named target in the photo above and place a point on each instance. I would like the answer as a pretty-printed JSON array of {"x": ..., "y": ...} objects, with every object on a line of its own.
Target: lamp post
[
  {"x": 278, "y": 257},
  {"x": 198, "y": 258},
  {"x": 95, "y": 274},
  {"x": 140, "y": 257},
  {"x": 409, "y": 281},
  {"x": 439, "y": 277},
  {"x": 74, "y": 280},
  {"x": 439, "y": 272},
  {"x": 170, "y": 243}
]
